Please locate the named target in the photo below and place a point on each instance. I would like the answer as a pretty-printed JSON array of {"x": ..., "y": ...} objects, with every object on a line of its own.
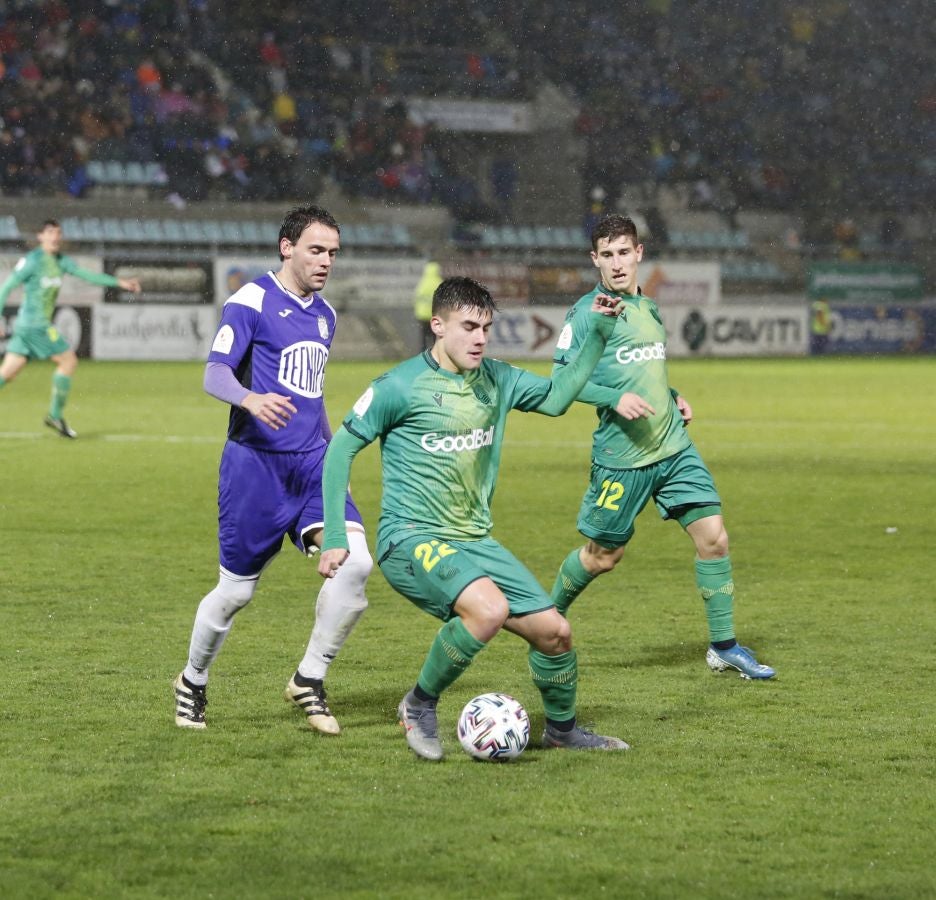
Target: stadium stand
[{"x": 196, "y": 103}]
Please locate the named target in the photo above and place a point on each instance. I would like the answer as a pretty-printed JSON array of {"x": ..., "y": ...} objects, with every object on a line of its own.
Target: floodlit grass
[{"x": 819, "y": 784}]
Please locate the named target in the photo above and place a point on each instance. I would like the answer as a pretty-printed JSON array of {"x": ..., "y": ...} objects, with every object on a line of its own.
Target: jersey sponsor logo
[
  {"x": 302, "y": 368},
  {"x": 456, "y": 443},
  {"x": 364, "y": 402},
  {"x": 565, "y": 338},
  {"x": 47, "y": 282},
  {"x": 645, "y": 353},
  {"x": 224, "y": 340}
]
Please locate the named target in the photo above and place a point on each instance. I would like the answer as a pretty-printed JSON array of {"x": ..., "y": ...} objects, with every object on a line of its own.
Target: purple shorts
[{"x": 262, "y": 497}]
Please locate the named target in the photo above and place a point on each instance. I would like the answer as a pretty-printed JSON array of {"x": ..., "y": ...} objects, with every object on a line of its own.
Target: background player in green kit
[
  {"x": 34, "y": 336},
  {"x": 440, "y": 418},
  {"x": 641, "y": 449}
]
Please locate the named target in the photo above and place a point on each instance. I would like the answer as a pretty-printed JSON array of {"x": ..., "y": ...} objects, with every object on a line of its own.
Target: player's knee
[
  {"x": 599, "y": 560},
  {"x": 555, "y": 638},
  {"x": 235, "y": 593},
  {"x": 490, "y": 613},
  {"x": 713, "y": 546}
]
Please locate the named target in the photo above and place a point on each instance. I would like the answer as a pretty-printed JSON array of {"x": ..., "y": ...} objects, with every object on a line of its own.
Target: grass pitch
[{"x": 819, "y": 784}]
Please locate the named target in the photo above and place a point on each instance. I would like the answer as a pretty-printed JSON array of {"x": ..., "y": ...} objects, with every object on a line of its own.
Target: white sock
[
  {"x": 341, "y": 602},
  {"x": 213, "y": 622}
]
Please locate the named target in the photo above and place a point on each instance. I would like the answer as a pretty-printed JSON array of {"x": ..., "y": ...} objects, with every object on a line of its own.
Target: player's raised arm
[{"x": 568, "y": 381}]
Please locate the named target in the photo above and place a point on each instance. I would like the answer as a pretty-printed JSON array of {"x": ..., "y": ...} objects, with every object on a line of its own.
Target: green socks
[
  {"x": 572, "y": 579},
  {"x": 451, "y": 653},
  {"x": 713, "y": 577},
  {"x": 61, "y": 385},
  {"x": 556, "y": 678}
]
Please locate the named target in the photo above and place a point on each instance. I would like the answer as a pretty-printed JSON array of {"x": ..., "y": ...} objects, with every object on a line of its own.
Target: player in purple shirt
[{"x": 268, "y": 362}]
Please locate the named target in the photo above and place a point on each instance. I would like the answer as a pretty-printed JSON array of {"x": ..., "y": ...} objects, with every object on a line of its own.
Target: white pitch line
[{"x": 121, "y": 438}]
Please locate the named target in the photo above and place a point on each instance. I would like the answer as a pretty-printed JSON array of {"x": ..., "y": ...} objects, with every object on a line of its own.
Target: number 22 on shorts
[
  {"x": 611, "y": 492},
  {"x": 431, "y": 552}
]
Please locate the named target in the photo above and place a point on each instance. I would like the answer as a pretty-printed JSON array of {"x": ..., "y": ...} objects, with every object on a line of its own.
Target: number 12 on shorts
[{"x": 611, "y": 492}]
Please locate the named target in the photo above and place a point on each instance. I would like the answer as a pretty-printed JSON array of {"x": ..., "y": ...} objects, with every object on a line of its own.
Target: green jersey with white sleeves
[
  {"x": 634, "y": 361},
  {"x": 41, "y": 273},
  {"x": 440, "y": 439}
]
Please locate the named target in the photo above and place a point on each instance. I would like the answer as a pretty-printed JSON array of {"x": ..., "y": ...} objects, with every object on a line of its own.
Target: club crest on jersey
[
  {"x": 323, "y": 327},
  {"x": 302, "y": 368}
]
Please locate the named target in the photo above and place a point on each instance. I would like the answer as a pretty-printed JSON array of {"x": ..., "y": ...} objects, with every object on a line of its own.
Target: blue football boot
[{"x": 739, "y": 658}]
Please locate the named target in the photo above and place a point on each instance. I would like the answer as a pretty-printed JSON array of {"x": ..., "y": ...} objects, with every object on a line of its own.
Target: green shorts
[
  {"x": 37, "y": 343},
  {"x": 432, "y": 573},
  {"x": 678, "y": 485}
]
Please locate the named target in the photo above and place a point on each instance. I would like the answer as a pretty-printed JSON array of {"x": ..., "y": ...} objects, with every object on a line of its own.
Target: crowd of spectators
[{"x": 753, "y": 104}]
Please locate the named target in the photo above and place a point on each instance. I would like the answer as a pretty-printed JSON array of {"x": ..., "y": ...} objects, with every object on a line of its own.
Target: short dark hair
[
  {"x": 49, "y": 223},
  {"x": 460, "y": 292},
  {"x": 300, "y": 218},
  {"x": 614, "y": 226}
]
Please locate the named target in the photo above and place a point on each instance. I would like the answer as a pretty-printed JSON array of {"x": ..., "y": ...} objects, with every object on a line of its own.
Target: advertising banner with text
[
  {"x": 882, "y": 328},
  {"x": 153, "y": 332},
  {"x": 531, "y": 332}
]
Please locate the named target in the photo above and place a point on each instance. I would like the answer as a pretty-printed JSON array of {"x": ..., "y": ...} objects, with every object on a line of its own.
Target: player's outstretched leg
[
  {"x": 190, "y": 703},
  {"x": 309, "y": 695},
  {"x": 452, "y": 651},
  {"x": 739, "y": 658}
]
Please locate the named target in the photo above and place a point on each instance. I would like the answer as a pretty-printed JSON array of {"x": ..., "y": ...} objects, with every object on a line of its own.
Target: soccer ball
[{"x": 494, "y": 727}]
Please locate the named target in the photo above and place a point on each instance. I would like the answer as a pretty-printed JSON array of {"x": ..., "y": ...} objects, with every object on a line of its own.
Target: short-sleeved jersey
[
  {"x": 440, "y": 437},
  {"x": 634, "y": 361},
  {"x": 41, "y": 273},
  {"x": 277, "y": 342}
]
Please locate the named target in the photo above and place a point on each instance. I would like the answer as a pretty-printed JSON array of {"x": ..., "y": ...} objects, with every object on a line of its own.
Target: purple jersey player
[{"x": 268, "y": 362}]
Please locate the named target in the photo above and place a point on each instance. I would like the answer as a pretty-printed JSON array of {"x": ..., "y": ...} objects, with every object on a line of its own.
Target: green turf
[{"x": 819, "y": 784}]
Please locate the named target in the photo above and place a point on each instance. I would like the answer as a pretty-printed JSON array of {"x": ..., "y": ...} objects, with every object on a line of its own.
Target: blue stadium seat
[
  {"x": 9, "y": 231},
  {"x": 400, "y": 235},
  {"x": 172, "y": 231},
  {"x": 133, "y": 231},
  {"x": 113, "y": 231},
  {"x": 193, "y": 231},
  {"x": 73, "y": 230},
  {"x": 212, "y": 231},
  {"x": 153, "y": 231},
  {"x": 231, "y": 233},
  {"x": 252, "y": 233},
  {"x": 269, "y": 233},
  {"x": 95, "y": 171},
  {"x": 93, "y": 229}
]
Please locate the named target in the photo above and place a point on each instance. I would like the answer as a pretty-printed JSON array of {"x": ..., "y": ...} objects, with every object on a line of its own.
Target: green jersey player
[
  {"x": 440, "y": 421},
  {"x": 34, "y": 336},
  {"x": 642, "y": 450}
]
